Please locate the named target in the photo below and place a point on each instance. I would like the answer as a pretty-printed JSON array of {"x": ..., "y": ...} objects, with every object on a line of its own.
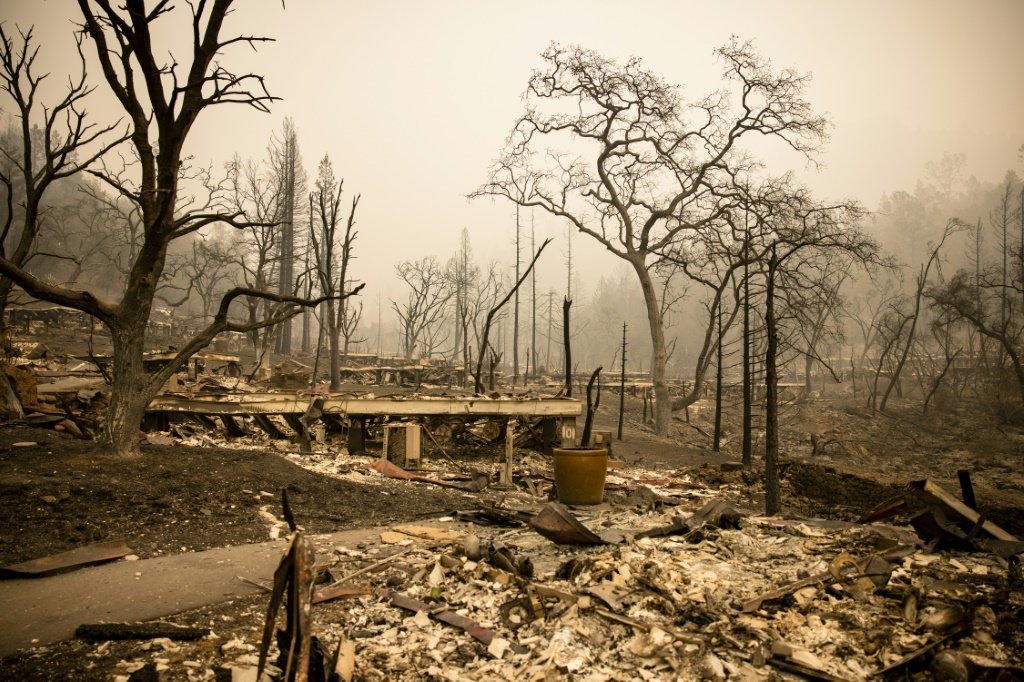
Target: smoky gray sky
[{"x": 412, "y": 100}]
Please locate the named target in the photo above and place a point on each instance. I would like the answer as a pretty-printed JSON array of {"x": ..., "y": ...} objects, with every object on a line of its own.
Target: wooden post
[
  {"x": 622, "y": 383},
  {"x": 506, "y": 471},
  {"x": 356, "y": 435},
  {"x": 591, "y": 407},
  {"x": 567, "y": 344},
  {"x": 966, "y": 489},
  {"x": 717, "y": 446}
]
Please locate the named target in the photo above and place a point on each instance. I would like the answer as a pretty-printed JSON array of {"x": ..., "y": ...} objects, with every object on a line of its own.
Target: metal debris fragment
[
  {"x": 556, "y": 523},
  {"x": 79, "y": 557}
]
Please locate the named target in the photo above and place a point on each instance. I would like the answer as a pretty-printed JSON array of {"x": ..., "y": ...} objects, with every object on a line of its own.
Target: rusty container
[{"x": 579, "y": 474}]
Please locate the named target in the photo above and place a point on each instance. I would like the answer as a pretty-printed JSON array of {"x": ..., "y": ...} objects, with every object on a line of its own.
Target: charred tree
[
  {"x": 588, "y": 422},
  {"x": 567, "y": 346},
  {"x": 717, "y": 443},
  {"x": 484, "y": 344},
  {"x": 748, "y": 398},
  {"x": 515, "y": 311},
  {"x": 162, "y": 100},
  {"x": 922, "y": 281},
  {"x": 773, "y": 497},
  {"x": 533, "y": 294},
  {"x": 798, "y": 240},
  {"x": 332, "y": 251},
  {"x": 421, "y": 314},
  {"x": 51, "y": 142},
  {"x": 637, "y": 126},
  {"x": 288, "y": 167},
  {"x": 622, "y": 384}
]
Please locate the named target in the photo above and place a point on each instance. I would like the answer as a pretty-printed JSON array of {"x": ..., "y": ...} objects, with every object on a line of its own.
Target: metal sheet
[{"x": 557, "y": 524}]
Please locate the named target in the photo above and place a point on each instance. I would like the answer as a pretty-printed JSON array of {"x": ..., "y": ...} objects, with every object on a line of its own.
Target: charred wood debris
[
  {"x": 673, "y": 583},
  {"x": 667, "y": 579}
]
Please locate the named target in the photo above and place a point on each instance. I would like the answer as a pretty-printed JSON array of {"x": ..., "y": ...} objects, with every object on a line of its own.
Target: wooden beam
[
  {"x": 294, "y": 403},
  {"x": 263, "y": 421},
  {"x": 232, "y": 426},
  {"x": 957, "y": 510},
  {"x": 505, "y": 478}
]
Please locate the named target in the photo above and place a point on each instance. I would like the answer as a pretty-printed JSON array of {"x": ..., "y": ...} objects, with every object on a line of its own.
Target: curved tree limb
[
  {"x": 220, "y": 323},
  {"x": 478, "y": 384}
]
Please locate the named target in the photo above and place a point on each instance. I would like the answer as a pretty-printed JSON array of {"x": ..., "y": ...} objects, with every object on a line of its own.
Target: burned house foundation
[{"x": 548, "y": 421}]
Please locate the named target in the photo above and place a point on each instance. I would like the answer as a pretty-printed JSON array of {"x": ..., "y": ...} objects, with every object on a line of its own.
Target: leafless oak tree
[
  {"x": 332, "y": 253},
  {"x": 53, "y": 141},
  {"x": 616, "y": 151},
  {"x": 933, "y": 261},
  {"x": 422, "y": 312},
  {"x": 256, "y": 196},
  {"x": 162, "y": 100}
]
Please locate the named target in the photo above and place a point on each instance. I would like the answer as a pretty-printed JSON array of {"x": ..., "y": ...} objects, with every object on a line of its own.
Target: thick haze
[{"x": 412, "y": 100}]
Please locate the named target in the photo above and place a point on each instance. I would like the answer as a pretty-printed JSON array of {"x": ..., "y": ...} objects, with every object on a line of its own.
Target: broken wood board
[
  {"x": 433, "y": 535},
  {"x": 79, "y": 557},
  {"x": 340, "y": 590},
  {"x": 934, "y": 494},
  {"x": 826, "y": 577},
  {"x": 640, "y": 625},
  {"x": 393, "y": 406},
  {"x": 443, "y": 614},
  {"x": 100, "y": 632}
]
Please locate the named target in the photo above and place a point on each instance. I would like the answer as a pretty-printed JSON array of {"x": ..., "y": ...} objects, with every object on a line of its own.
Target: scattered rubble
[
  {"x": 711, "y": 593},
  {"x": 669, "y": 578}
]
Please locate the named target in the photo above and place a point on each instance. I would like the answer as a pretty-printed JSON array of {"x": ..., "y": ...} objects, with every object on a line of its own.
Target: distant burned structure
[
  {"x": 36, "y": 316},
  {"x": 350, "y": 414}
]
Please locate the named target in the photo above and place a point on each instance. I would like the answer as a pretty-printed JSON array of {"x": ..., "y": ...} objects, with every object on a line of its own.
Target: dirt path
[{"x": 42, "y": 611}]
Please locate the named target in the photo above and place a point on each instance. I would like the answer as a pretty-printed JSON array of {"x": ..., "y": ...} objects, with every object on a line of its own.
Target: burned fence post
[{"x": 966, "y": 488}]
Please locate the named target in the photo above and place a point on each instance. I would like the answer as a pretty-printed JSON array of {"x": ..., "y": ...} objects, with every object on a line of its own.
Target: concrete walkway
[{"x": 42, "y": 611}]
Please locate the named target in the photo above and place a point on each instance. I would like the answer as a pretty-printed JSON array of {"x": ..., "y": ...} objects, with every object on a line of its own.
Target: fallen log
[{"x": 101, "y": 632}]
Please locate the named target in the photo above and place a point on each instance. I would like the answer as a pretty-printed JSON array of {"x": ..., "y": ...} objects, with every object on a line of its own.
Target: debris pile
[{"x": 613, "y": 593}]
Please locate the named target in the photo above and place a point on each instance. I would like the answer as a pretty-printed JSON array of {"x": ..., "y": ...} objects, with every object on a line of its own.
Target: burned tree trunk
[
  {"x": 772, "y": 499},
  {"x": 718, "y": 390},
  {"x": 748, "y": 408},
  {"x": 622, "y": 384},
  {"x": 567, "y": 345},
  {"x": 333, "y": 348},
  {"x": 484, "y": 343},
  {"x": 130, "y": 390},
  {"x": 588, "y": 422}
]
